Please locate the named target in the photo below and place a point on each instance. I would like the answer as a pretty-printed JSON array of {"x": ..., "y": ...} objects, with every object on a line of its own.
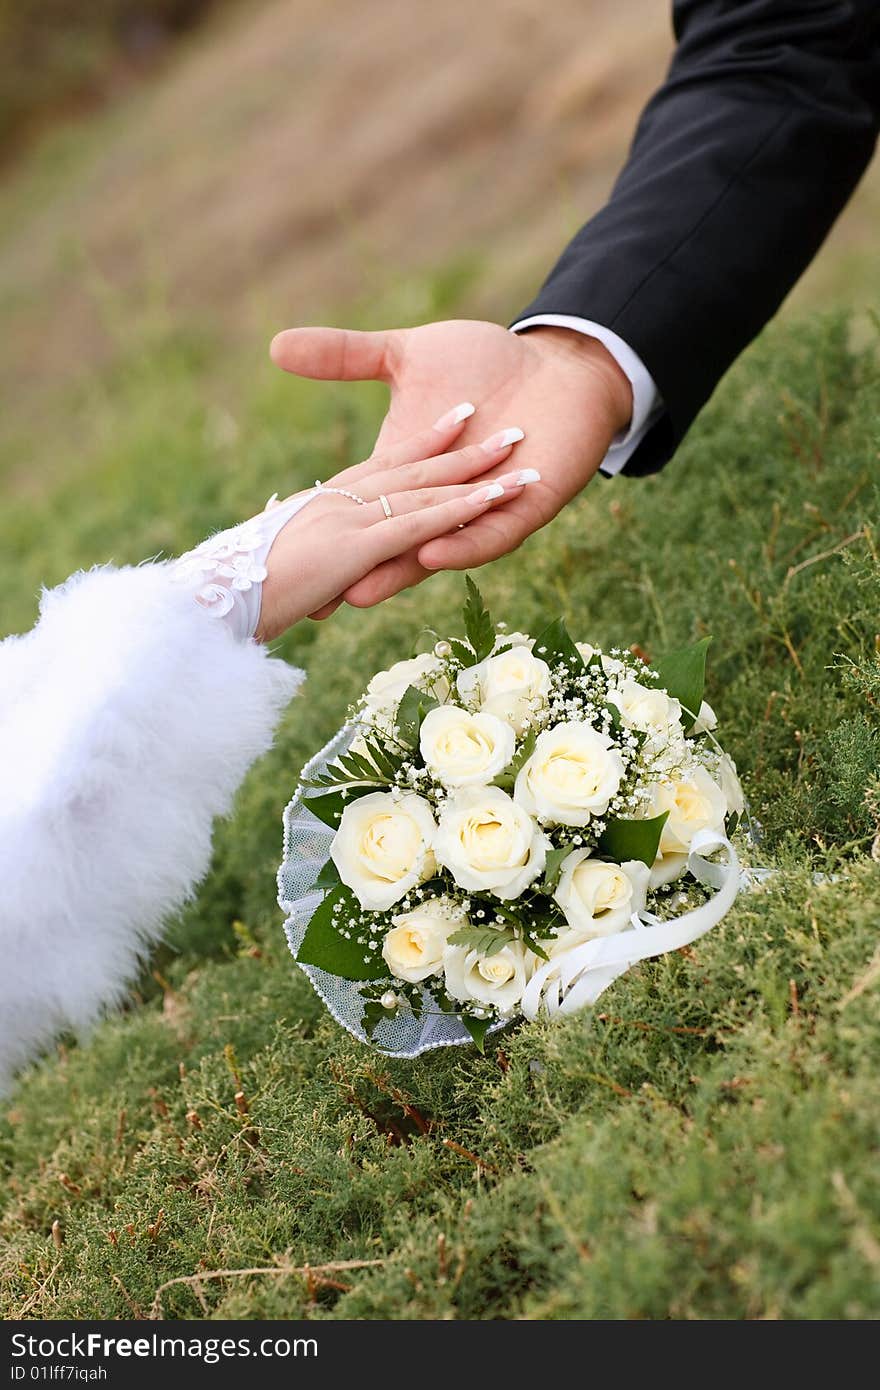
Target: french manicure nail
[
  {"x": 502, "y": 440},
  {"x": 488, "y": 494},
  {"x": 455, "y": 416},
  {"x": 520, "y": 479}
]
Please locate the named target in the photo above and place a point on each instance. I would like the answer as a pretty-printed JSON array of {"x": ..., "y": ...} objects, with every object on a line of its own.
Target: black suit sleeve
[{"x": 740, "y": 164}]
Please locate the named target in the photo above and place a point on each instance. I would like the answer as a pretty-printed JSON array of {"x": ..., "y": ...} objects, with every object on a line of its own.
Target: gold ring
[{"x": 386, "y": 505}]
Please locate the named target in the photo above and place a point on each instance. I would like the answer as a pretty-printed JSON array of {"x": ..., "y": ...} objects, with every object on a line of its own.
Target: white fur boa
[{"x": 128, "y": 718}]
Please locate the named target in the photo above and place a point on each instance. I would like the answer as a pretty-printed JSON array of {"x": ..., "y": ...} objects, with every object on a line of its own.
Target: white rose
[
  {"x": 497, "y": 980},
  {"x": 512, "y": 685},
  {"x": 571, "y": 776},
  {"x": 666, "y": 868},
  {"x": 463, "y": 750},
  {"x": 614, "y": 667},
  {"x": 694, "y": 802},
  {"x": 383, "y": 847},
  {"x": 641, "y": 707},
  {"x": 597, "y": 898},
  {"x": 488, "y": 842},
  {"x": 385, "y": 690},
  {"x": 731, "y": 785},
  {"x": 706, "y": 720},
  {"x": 413, "y": 948},
  {"x": 587, "y": 652},
  {"x": 513, "y": 639}
]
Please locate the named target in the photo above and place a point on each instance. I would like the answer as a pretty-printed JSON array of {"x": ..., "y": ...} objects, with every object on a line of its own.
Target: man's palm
[{"x": 563, "y": 390}]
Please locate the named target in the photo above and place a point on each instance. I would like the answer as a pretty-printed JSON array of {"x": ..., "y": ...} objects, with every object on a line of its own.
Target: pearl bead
[
  {"x": 442, "y": 649},
  {"x": 389, "y": 1000}
]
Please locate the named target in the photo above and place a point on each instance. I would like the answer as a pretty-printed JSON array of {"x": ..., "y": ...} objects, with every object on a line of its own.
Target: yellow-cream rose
[
  {"x": 413, "y": 948},
  {"x": 383, "y": 847},
  {"x": 694, "y": 802},
  {"x": 512, "y": 685},
  {"x": 597, "y": 898},
  {"x": 464, "y": 750},
  {"x": 571, "y": 776},
  {"x": 497, "y": 980},
  {"x": 644, "y": 708},
  {"x": 489, "y": 843},
  {"x": 385, "y": 690}
]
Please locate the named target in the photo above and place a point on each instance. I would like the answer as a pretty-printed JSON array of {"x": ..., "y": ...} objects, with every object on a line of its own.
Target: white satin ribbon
[{"x": 578, "y": 977}]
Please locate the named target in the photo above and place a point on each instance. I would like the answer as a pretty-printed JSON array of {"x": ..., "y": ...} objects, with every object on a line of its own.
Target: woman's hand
[
  {"x": 567, "y": 392},
  {"x": 334, "y": 541}
]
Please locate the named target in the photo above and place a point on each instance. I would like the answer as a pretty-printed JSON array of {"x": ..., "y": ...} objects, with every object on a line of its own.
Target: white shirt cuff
[{"x": 647, "y": 401}]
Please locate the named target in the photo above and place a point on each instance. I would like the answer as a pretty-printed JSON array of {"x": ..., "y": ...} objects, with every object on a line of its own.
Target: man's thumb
[{"x": 335, "y": 354}]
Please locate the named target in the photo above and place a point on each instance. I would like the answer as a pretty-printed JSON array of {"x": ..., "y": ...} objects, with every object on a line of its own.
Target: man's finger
[
  {"x": 336, "y": 354},
  {"x": 487, "y": 538},
  {"x": 327, "y": 611},
  {"x": 386, "y": 580}
]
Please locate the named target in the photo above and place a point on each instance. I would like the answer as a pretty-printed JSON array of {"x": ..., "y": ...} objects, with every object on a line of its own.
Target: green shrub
[{"x": 701, "y": 1145}]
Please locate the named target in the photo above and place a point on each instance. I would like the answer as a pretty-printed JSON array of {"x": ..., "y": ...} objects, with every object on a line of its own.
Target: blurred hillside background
[
  {"x": 225, "y": 169},
  {"x": 179, "y": 180}
]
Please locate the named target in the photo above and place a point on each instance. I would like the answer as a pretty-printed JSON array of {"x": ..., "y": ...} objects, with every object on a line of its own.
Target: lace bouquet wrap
[{"x": 502, "y": 828}]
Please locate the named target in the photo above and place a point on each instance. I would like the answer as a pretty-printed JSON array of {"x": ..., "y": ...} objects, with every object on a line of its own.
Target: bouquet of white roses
[{"x": 503, "y": 826}]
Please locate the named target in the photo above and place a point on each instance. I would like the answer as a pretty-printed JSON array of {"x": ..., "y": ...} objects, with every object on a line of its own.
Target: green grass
[{"x": 705, "y": 1143}]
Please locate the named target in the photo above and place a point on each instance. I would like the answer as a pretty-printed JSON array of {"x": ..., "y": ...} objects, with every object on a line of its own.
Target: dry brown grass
[{"x": 297, "y": 157}]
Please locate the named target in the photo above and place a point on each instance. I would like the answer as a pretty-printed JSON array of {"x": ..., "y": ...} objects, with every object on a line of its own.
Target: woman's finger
[
  {"x": 460, "y": 466},
  {"x": 395, "y": 534},
  {"x": 425, "y": 444},
  {"x": 402, "y": 503}
]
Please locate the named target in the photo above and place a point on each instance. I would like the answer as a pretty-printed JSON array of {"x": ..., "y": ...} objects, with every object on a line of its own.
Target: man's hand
[{"x": 563, "y": 389}]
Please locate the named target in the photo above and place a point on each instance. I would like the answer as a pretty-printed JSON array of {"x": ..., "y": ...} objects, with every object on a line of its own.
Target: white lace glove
[{"x": 229, "y": 567}]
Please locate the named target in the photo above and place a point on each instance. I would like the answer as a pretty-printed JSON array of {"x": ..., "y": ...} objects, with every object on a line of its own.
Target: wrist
[
  {"x": 273, "y": 622},
  {"x": 581, "y": 351}
]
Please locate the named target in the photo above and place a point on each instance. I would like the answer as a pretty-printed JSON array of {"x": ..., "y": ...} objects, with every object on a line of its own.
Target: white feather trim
[{"x": 128, "y": 718}]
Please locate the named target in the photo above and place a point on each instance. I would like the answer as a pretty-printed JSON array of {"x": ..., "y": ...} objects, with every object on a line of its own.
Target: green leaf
[
  {"x": 614, "y": 715},
  {"x": 462, "y": 652},
  {"x": 376, "y": 768},
  {"x": 478, "y": 1028},
  {"x": 682, "y": 674},
  {"x": 534, "y": 945},
  {"x": 555, "y": 858},
  {"x": 373, "y": 1016},
  {"x": 327, "y": 878},
  {"x": 325, "y": 946},
  {"x": 504, "y": 908},
  {"x": 555, "y": 645},
  {"x": 507, "y": 778},
  {"x": 329, "y": 806},
  {"x": 732, "y": 823},
  {"x": 385, "y": 762},
  {"x": 478, "y": 623},
  {"x": 414, "y": 705},
  {"x": 633, "y": 839},
  {"x": 486, "y": 941}
]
